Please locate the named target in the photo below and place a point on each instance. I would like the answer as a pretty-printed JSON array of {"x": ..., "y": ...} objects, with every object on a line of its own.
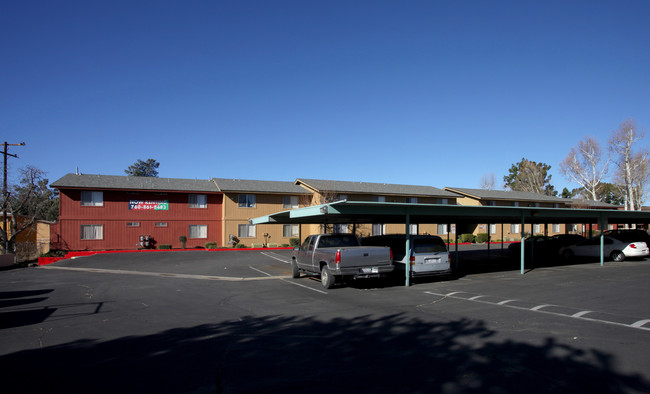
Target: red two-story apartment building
[{"x": 120, "y": 212}]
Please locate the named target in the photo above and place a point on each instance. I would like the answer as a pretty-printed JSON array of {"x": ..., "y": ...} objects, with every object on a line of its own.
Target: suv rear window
[{"x": 429, "y": 245}]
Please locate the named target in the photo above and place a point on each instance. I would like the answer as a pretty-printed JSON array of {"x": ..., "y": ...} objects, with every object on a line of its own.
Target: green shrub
[
  {"x": 182, "y": 239},
  {"x": 241, "y": 246},
  {"x": 481, "y": 238},
  {"x": 464, "y": 238},
  {"x": 294, "y": 242},
  {"x": 55, "y": 253},
  {"x": 284, "y": 245},
  {"x": 164, "y": 246},
  {"x": 211, "y": 245}
]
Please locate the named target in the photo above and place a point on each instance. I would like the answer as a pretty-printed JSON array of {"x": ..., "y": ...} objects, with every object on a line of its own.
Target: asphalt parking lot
[{"x": 235, "y": 322}]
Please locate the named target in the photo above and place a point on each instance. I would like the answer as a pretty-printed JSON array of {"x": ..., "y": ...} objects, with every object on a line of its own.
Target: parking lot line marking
[
  {"x": 289, "y": 281},
  {"x": 163, "y": 274},
  {"x": 505, "y": 302},
  {"x": 538, "y": 307},
  {"x": 271, "y": 255},
  {"x": 476, "y": 298},
  {"x": 639, "y": 325},
  {"x": 580, "y": 314}
]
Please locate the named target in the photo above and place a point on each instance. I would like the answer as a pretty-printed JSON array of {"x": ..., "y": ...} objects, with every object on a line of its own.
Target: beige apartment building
[{"x": 511, "y": 232}]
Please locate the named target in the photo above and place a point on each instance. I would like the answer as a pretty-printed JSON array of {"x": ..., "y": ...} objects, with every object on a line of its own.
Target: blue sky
[{"x": 434, "y": 93}]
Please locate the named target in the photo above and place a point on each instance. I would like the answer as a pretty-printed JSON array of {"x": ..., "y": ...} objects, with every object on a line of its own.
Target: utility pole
[{"x": 5, "y": 195}]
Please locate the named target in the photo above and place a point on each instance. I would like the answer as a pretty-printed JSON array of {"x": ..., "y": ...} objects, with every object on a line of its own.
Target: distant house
[{"x": 32, "y": 241}]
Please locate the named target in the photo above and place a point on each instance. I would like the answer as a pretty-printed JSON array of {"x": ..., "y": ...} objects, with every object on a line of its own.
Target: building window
[
  {"x": 514, "y": 229},
  {"x": 246, "y": 201},
  {"x": 290, "y": 202},
  {"x": 378, "y": 229},
  {"x": 411, "y": 200},
  {"x": 537, "y": 228},
  {"x": 160, "y": 193},
  {"x": 491, "y": 203},
  {"x": 493, "y": 228},
  {"x": 442, "y": 229},
  {"x": 342, "y": 197},
  {"x": 515, "y": 203},
  {"x": 198, "y": 231},
  {"x": 198, "y": 201},
  {"x": 444, "y": 201},
  {"x": 290, "y": 230},
  {"x": 92, "y": 231},
  {"x": 92, "y": 199},
  {"x": 413, "y": 229},
  {"x": 246, "y": 231},
  {"x": 556, "y": 228},
  {"x": 161, "y": 224},
  {"x": 379, "y": 198},
  {"x": 341, "y": 229},
  {"x": 132, "y": 224}
]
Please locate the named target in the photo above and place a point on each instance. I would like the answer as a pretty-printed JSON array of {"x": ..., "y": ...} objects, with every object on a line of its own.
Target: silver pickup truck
[{"x": 340, "y": 256}]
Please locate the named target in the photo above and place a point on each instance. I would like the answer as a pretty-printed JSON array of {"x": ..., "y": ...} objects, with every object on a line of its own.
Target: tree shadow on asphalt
[{"x": 277, "y": 354}]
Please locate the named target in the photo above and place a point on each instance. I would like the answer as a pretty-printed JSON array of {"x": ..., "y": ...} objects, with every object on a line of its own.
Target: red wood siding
[{"x": 115, "y": 214}]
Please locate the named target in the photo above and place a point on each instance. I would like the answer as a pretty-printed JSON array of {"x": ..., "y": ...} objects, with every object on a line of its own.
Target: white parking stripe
[
  {"x": 276, "y": 257},
  {"x": 291, "y": 282},
  {"x": 640, "y": 323},
  {"x": 162, "y": 274},
  {"x": 538, "y": 309}
]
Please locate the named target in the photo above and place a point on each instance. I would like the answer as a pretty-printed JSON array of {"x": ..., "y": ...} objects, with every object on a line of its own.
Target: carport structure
[{"x": 364, "y": 212}]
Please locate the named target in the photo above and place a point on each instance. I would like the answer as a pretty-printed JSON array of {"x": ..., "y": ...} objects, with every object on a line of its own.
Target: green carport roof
[{"x": 382, "y": 212}]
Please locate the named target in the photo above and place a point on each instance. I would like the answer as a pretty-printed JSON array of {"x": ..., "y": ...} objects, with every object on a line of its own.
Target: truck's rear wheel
[
  {"x": 295, "y": 272},
  {"x": 326, "y": 277}
]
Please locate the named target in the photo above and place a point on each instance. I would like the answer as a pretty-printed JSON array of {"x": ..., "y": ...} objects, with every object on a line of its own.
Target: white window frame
[
  {"x": 92, "y": 198},
  {"x": 556, "y": 227},
  {"x": 413, "y": 229},
  {"x": 341, "y": 197},
  {"x": 132, "y": 224},
  {"x": 160, "y": 224},
  {"x": 341, "y": 228},
  {"x": 378, "y": 229},
  {"x": 198, "y": 200},
  {"x": 379, "y": 199},
  {"x": 493, "y": 228},
  {"x": 290, "y": 230},
  {"x": 246, "y": 200},
  {"x": 442, "y": 229},
  {"x": 411, "y": 200},
  {"x": 246, "y": 230},
  {"x": 443, "y": 201},
  {"x": 514, "y": 228},
  {"x": 290, "y": 202},
  {"x": 537, "y": 228},
  {"x": 197, "y": 231},
  {"x": 92, "y": 232}
]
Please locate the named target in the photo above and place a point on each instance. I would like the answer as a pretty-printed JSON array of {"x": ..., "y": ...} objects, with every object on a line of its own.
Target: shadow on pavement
[{"x": 276, "y": 354}]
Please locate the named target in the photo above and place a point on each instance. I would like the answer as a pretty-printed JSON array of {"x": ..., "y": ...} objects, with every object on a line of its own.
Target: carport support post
[
  {"x": 407, "y": 269},
  {"x": 601, "y": 224},
  {"x": 523, "y": 223}
]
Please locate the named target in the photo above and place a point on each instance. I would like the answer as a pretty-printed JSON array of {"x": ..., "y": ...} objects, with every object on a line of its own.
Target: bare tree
[
  {"x": 621, "y": 145},
  {"x": 487, "y": 181},
  {"x": 30, "y": 200},
  {"x": 586, "y": 166}
]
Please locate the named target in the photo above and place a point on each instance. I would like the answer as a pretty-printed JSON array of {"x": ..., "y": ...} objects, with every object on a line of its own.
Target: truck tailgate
[{"x": 366, "y": 256}]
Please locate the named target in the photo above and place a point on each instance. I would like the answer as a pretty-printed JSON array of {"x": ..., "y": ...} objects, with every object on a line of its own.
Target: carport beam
[{"x": 523, "y": 223}]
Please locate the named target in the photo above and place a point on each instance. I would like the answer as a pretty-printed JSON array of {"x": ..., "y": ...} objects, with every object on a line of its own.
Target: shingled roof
[
  {"x": 251, "y": 186},
  {"x": 373, "y": 188},
  {"x": 102, "y": 182},
  {"x": 482, "y": 194}
]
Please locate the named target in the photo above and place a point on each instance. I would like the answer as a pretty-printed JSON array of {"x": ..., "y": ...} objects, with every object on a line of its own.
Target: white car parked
[{"x": 616, "y": 249}]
